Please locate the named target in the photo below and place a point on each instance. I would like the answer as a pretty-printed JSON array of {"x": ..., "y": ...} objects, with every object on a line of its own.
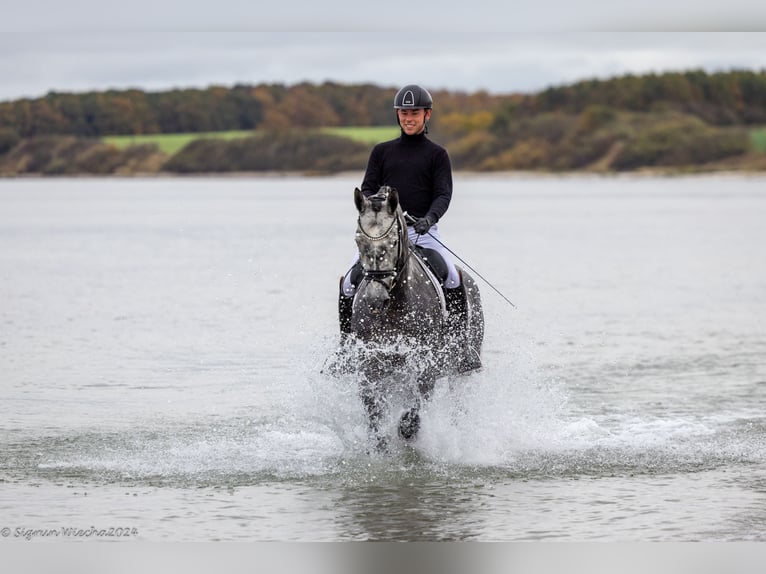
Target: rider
[{"x": 421, "y": 172}]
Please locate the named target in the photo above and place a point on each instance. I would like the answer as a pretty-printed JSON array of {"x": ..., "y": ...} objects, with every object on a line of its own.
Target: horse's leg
[
  {"x": 374, "y": 405},
  {"x": 426, "y": 386},
  {"x": 409, "y": 423}
]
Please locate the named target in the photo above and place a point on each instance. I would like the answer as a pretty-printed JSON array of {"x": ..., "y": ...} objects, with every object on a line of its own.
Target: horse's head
[{"x": 381, "y": 237}]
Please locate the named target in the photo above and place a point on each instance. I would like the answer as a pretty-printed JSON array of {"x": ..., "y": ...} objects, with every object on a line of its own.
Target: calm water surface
[{"x": 161, "y": 343}]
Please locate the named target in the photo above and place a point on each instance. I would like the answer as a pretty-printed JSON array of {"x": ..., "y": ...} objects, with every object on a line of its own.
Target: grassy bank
[
  {"x": 170, "y": 144},
  {"x": 591, "y": 142},
  {"x": 758, "y": 137},
  {"x": 369, "y": 135}
]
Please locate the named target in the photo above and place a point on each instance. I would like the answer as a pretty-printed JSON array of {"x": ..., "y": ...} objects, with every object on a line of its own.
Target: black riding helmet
[{"x": 413, "y": 97}]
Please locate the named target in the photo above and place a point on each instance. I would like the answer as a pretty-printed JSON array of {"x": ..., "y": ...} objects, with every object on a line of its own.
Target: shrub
[
  {"x": 683, "y": 142},
  {"x": 469, "y": 151},
  {"x": 528, "y": 154},
  {"x": 594, "y": 117},
  {"x": 68, "y": 155},
  {"x": 9, "y": 138},
  {"x": 98, "y": 159},
  {"x": 276, "y": 151},
  {"x": 577, "y": 153}
]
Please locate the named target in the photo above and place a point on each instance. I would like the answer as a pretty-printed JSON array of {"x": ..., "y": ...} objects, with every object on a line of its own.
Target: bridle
[{"x": 380, "y": 275}]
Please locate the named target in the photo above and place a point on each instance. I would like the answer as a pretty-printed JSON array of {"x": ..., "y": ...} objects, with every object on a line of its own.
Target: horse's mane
[{"x": 404, "y": 238}]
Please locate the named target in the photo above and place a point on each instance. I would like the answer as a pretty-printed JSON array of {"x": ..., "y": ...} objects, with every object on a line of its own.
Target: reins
[{"x": 479, "y": 275}]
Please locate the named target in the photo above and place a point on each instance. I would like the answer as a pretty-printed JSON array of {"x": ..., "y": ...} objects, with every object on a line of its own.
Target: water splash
[{"x": 510, "y": 420}]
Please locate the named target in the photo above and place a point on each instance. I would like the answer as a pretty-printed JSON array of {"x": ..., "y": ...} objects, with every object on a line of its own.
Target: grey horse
[{"x": 403, "y": 335}]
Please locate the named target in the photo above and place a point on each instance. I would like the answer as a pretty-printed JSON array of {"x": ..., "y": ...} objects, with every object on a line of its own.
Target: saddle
[{"x": 434, "y": 261}]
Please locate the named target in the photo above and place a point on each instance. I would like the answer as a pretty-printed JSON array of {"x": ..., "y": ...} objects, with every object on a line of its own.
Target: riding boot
[
  {"x": 457, "y": 322},
  {"x": 345, "y": 305}
]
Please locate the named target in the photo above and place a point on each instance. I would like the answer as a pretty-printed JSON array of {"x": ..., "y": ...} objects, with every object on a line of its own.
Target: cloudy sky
[{"x": 502, "y": 47}]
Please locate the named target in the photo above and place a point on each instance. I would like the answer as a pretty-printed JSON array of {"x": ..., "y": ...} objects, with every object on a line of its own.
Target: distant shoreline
[{"x": 457, "y": 175}]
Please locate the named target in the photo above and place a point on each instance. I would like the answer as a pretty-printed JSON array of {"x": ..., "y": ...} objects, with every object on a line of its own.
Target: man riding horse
[
  {"x": 421, "y": 172},
  {"x": 400, "y": 337}
]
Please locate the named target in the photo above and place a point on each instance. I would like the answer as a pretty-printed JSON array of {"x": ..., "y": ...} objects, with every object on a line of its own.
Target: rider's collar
[{"x": 413, "y": 138}]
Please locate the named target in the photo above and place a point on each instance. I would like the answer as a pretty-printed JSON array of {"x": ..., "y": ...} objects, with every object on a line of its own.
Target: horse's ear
[
  {"x": 393, "y": 199},
  {"x": 358, "y": 199}
]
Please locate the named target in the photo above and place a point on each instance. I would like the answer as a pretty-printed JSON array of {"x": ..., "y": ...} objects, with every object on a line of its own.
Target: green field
[
  {"x": 171, "y": 143},
  {"x": 370, "y": 135},
  {"x": 758, "y": 137}
]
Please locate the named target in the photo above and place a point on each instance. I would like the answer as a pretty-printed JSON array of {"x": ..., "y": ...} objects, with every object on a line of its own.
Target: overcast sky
[{"x": 501, "y": 47}]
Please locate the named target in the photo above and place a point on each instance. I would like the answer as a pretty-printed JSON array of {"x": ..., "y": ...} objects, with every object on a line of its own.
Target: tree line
[
  {"x": 629, "y": 122},
  {"x": 723, "y": 98},
  {"x": 272, "y": 106}
]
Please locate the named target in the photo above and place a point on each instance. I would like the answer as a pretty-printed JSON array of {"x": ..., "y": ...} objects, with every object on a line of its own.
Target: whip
[{"x": 408, "y": 217}]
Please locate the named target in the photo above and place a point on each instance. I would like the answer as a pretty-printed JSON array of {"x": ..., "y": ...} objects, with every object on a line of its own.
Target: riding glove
[{"x": 423, "y": 224}]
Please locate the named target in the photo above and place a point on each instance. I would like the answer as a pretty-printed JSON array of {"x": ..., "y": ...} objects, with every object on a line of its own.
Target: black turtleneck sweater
[{"x": 419, "y": 169}]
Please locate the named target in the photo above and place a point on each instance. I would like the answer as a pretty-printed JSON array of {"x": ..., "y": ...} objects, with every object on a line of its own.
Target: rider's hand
[{"x": 423, "y": 224}]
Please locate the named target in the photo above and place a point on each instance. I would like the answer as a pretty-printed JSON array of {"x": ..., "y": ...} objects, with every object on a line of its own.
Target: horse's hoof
[{"x": 409, "y": 424}]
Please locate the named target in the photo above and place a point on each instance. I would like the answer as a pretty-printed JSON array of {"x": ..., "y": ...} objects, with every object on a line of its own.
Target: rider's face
[{"x": 413, "y": 121}]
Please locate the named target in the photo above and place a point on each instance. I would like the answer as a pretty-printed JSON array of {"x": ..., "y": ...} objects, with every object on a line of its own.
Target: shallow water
[{"x": 161, "y": 343}]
